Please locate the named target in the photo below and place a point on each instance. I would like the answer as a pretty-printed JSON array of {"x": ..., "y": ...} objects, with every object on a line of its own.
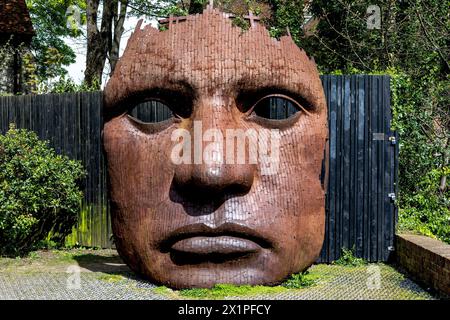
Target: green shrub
[
  {"x": 420, "y": 115},
  {"x": 39, "y": 192},
  {"x": 348, "y": 259},
  {"x": 427, "y": 210},
  {"x": 220, "y": 291},
  {"x": 300, "y": 280},
  {"x": 67, "y": 85}
]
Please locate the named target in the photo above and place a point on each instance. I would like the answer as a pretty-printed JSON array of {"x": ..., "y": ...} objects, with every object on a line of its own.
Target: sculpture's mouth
[
  {"x": 199, "y": 243},
  {"x": 202, "y": 245}
]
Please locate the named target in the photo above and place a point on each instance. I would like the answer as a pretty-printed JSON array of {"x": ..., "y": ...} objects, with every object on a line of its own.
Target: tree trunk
[
  {"x": 99, "y": 42},
  {"x": 94, "y": 67},
  {"x": 119, "y": 19}
]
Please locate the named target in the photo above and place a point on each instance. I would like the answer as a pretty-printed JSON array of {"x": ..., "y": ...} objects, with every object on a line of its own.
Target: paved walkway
[{"x": 103, "y": 276}]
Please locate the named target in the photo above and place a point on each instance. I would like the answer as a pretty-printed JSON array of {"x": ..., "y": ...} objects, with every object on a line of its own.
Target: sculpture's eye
[
  {"x": 276, "y": 107},
  {"x": 152, "y": 111}
]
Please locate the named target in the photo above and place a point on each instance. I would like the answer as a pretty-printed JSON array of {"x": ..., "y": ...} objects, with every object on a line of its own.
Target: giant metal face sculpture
[{"x": 205, "y": 218}]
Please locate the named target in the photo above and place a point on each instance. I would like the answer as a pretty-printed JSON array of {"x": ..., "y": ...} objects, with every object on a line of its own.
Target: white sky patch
[{"x": 76, "y": 70}]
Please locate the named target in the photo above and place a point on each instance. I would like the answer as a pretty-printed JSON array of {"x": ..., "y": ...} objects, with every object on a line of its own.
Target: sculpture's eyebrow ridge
[{"x": 301, "y": 90}]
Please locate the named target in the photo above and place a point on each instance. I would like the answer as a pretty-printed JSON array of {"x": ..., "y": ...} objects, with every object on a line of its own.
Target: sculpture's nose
[
  {"x": 215, "y": 172},
  {"x": 209, "y": 182}
]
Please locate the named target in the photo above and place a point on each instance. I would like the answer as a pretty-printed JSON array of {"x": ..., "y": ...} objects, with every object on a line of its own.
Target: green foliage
[
  {"x": 39, "y": 193},
  {"x": 300, "y": 280},
  {"x": 51, "y": 53},
  {"x": 277, "y": 15},
  {"x": 420, "y": 115},
  {"x": 413, "y": 35},
  {"x": 65, "y": 85},
  {"x": 111, "y": 278},
  {"x": 7, "y": 52},
  {"x": 46, "y": 244},
  {"x": 348, "y": 259},
  {"x": 426, "y": 211},
  {"x": 157, "y": 8},
  {"x": 287, "y": 14},
  {"x": 220, "y": 291}
]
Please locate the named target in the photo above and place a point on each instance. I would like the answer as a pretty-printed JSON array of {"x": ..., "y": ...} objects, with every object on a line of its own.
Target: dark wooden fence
[{"x": 360, "y": 208}]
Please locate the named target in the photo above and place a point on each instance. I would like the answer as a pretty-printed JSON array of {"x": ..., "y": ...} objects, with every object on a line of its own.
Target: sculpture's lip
[
  {"x": 223, "y": 245},
  {"x": 228, "y": 238}
]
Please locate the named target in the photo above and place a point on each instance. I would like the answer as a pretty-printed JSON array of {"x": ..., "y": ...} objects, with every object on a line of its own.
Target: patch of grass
[
  {"x": 113, "y": 278},
  {"x": 163, "y": 290},
  {"x": 33, "y": 255},
  {"x": 348, "y": 259},
  {"x": 220, "y": 291},
  {"x": 301, "y": 280},
  {"x": 46, "y": 244},
  {"x": 64, "y": 256}
]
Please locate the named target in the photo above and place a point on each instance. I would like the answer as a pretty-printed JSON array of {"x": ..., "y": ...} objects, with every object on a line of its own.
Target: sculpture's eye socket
[
  {"x": 277, "y": 107},
  {"x": 274, "y": 107},
  {"x": 152, "y": 111}
]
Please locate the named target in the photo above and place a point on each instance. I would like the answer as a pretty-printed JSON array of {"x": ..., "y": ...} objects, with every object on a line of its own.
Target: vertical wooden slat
[
  {"x": 346, "y": 168},
  {"x": 374, "y": 183},
  {"x": 360, "y": 155},
  {"x": 353, "y": 163},
  {"x": 324, "y": 254},
  {"x": 381, "y": 177},
  {"x": 367, "y": 168},
  {"x": 334, "y": 153}
]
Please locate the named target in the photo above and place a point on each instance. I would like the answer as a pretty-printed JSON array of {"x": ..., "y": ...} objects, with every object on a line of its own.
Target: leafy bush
[
  {"x": 420, "y": 115},
  {"x": 348, "y": 259},
  {"x": 300, "y": 280},
  {"x": 39, "y": 193},
  {"x": 65, "y": 85},
  {"x": 427, "y": 211}
]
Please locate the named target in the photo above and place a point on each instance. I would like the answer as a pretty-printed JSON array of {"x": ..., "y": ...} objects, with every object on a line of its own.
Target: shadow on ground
[{"x": 99, "y": 263}]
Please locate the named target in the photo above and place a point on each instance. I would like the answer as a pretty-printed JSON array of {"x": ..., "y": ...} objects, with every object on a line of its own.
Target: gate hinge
[
  {"x": 392, "y": 196},
  {"x": 393, "y": 140}
]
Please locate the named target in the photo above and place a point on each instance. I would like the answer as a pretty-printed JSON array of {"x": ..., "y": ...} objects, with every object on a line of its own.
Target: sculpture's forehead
[{"x": 209, "y": 53}]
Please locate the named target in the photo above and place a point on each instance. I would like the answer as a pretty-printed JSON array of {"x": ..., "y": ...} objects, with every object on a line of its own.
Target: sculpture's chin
[
  {"x": 206, "y": 276},
  {"x": 262, "y": 267}
]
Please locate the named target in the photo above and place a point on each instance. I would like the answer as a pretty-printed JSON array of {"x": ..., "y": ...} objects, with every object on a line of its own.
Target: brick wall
[{"x": 427, "y": 260}]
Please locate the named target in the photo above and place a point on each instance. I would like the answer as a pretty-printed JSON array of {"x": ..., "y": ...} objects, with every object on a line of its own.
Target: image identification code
[{"x": 226, "y": 309}]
